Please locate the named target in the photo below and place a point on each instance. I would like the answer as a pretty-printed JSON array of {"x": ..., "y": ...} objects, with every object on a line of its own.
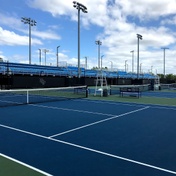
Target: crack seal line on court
[{"x": 92, "y": 150}]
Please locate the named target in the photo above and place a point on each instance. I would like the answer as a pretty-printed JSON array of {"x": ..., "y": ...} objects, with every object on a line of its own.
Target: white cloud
[
  {"x": 58, "y": 8},
  {"x": 11, "y": 38},
  {"x": 100, "y": 11},
  {"x": 51, "y": 35},
  {"x": 149, "y": 9},
  {"x": 10, "y": 20},
  {"x": 171, "y": 21},
  {"x": 119, "y": 33},
  {"x": 15, "y": 23},
  {"x": 53, "y": 6}
]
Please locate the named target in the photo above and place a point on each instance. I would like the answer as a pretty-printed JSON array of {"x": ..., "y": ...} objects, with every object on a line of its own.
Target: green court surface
[
  {"x": 142, "y": 100},
  {"x": 9, "y": 167}
]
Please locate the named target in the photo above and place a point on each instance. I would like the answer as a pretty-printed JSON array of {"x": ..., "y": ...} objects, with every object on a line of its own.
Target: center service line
[{"x": 100, "y": 121}]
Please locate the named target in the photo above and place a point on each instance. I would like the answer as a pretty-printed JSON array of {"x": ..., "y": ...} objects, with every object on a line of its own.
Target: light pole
[
  {"x": 40, "y": 56},
  {"x": 45, "y": 51},
  {"x": 98, "y": 42},
  {"x": 164, "y": 61},
  {"x": 132, "y": 60},
  {"x": 57, "y": 55},
  {"x": 140, "y": 68},
  {"x": 111, "y": 65},
  {"x": 30, "y": 22},
  {"x": 126, "y": 65},
  {"x": 85, "y": 62},
  {"x": 139, "y": 37},
  {"x": 102, "y": 61},
  {"x": 83, "y": 8}
]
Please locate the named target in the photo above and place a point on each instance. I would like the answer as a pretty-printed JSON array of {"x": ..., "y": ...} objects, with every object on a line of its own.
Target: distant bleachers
[{"x": 26, "y": 69}]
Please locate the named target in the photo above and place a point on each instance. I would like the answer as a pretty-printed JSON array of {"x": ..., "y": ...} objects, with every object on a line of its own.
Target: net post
[
  {"x": 87, "y": 91},
  {"x": 27, "y": 100}
]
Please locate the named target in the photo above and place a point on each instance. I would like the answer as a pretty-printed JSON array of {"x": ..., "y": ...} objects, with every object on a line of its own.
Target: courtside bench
[{"x": 130, "y": 91}]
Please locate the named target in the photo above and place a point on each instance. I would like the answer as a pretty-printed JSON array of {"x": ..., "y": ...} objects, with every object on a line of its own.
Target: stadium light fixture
[
  {"x": 98, "y": 42},
  {"x": 30, "y": 22},
  {"x": 139, "y": 37},
  {"x": 79, "y": 7}
]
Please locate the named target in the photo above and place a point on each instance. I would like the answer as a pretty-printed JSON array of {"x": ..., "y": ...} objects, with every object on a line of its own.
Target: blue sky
[{"x": 114, "y": 22}]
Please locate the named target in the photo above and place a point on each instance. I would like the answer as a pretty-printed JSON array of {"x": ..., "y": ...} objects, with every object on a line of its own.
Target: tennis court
[{"x": 91, "y": 137}]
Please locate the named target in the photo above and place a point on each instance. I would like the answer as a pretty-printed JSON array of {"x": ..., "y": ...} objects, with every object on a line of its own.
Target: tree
[{"x": 167, "y": 79}]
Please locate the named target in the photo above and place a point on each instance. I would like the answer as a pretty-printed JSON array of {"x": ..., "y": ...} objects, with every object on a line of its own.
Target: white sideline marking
[
  {"x": 26, "y": 165},
  {"x": 92, "y": 150},
  {"x": 67, "y": 109},
  {"x": 127, "y": 103},
  {"x": 100, "y": 121},
  {"x": 117, "y": 157}
]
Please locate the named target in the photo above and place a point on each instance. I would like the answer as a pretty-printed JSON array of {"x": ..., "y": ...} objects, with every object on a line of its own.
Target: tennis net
[
  {"x": 115, "y": 89},
  {"x": 168, "y": 86},
  {"x": 30, "y": 96}
]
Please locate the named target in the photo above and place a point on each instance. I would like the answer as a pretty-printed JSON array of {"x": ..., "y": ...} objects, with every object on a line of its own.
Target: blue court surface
[{"x": 91, "y": 138}]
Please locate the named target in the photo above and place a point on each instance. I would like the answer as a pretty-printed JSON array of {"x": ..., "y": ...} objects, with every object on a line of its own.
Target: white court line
[
  {"x": 73, "y": 110},
  {"x": 26, "y": 165},
  {"x": 100, "y": 121},
  {"x": 165, "y": 108},
  {"x": 112, "y": 102},
  {"x": 92, "y": 150},
  {"x": 127, "y": 103},
  {"x": 12, "y": 102}
]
